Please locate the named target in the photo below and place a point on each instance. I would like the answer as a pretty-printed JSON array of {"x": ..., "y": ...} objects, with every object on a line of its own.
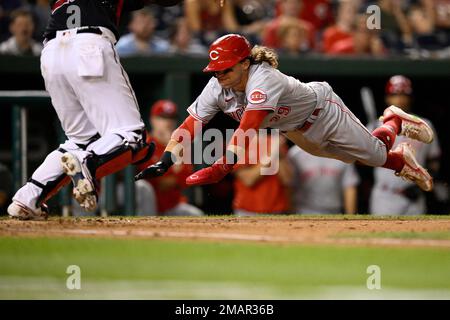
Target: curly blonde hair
[{"x": 261, "y": 54}]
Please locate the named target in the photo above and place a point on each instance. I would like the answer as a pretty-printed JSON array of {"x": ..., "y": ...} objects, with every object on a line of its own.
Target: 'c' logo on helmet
[{"x": 214, "y": 55}]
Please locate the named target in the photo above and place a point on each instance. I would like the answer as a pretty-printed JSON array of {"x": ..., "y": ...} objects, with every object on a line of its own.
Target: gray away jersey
[{"x": 291, "y": 100}]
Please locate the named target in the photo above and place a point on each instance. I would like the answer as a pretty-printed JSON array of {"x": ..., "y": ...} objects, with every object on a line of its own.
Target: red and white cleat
[
  {"x": 412, "y": 126},
  {"x": 19, "y": 211},
  {"x": 412, "y": 170}
]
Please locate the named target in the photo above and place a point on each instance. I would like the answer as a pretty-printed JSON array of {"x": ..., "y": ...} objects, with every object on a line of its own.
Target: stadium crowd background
[{"x": 413, "y": 29}]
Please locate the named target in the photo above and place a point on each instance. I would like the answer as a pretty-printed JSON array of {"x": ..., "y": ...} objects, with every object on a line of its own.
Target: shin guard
[
  {"x": 119, "y": 159},
  {"x": 50, "y": 188}
]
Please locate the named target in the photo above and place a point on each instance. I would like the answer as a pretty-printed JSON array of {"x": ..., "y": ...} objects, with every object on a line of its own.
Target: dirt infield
[{"x": 299, "y": 230}]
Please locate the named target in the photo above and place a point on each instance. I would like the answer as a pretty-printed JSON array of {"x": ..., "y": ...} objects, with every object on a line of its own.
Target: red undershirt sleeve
[{"x": 252, "y": 119}]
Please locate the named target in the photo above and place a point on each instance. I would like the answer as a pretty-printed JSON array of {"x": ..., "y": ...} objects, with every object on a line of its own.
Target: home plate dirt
[{"x": 295, "y": 230}]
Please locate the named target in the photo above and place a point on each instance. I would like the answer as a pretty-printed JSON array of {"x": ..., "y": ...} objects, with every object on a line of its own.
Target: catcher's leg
[
  {"x": 29, "y": 202},
  {"x": 124, "y": 155},
  {"x": 105, "y": 156}
]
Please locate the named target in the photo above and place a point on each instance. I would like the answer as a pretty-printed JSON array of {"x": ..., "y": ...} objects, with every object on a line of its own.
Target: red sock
[
  {"x": 394, "y": 161},
  {"x": 394, "y": 122},
  {"x": 387, "y": 134}
]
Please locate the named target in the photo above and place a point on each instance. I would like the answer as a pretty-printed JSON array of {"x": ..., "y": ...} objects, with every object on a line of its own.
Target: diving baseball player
[
  {"x": 391, "y": 196},
  {"x": 247, "y": 86},
  {"x": 93, "y": 99}
]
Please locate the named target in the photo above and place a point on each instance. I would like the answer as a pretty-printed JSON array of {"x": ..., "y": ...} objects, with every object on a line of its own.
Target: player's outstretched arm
[
  {"x": 252, "y": 119},
  {"x": 169, "y": 157}
]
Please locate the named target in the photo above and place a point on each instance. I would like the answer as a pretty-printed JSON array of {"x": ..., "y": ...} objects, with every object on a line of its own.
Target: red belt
[{"x": 310, "y": 121}]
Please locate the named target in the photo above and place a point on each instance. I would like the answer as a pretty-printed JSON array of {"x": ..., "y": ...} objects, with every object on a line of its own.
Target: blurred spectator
[
  {"x": 21, "y": 42},
  {"x": 441, "y": 12},
  {"x": 168, "y": 188},
  {"x": 141, "y": 39},
  {"x": 40, "y": 9},
  {"x": 350, "y": 34},
  {"x": 252, "y": 17},
  {"x": 323, "y": 185},
  {"x": 421, "y": 24},
  {"x": 366, "y": 41},
  {"x": 396, "y": 30},
  {"x": 208, "y": 20},
  {"x": 165, "y": 17},
  {"x": 6, "y": 7},
  {"x": 182, "y": 41},
  {"x": 5, "y": 187},
  {"x": 342, "y": 30},
  {"x": 317, "y": 12},
  {"x": 390, "y": 195},
  {"x": 289, "y": 12},
  {"x": 255, "y": 193},
  {"x": 428, "y": 40},
  {"x": 293, "y": 38}
]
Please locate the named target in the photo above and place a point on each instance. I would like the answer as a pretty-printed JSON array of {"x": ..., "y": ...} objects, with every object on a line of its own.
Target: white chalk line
[{"x": 52, "y": 288}]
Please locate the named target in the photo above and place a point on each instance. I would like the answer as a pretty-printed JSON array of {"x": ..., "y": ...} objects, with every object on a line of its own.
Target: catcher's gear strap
[
  {"x": 91, "y": 140},
  {"x": 50, "y": 188},
  {"x": 113, "y": 162},
  {"x": 143, "y": 154},
  {"x": 82, "y": 146}
]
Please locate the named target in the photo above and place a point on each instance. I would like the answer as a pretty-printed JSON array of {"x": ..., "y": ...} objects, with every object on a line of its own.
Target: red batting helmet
[
  {"x": 227, "y": 51},
  {"x": 164, "y": 109},
  {"x": 399, "y": 85}
]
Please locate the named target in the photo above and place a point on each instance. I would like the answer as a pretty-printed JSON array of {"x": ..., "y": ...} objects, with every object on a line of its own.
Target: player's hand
[
  {"x": 209, "y": 175},
  {"x": 155, "y": 170}
]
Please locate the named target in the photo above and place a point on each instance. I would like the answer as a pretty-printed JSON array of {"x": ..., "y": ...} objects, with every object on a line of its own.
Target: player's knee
[
  {"x": 135, "y": 138},
  {"x": 71, "y": 145},
  {"x": 68, "y": 146}
]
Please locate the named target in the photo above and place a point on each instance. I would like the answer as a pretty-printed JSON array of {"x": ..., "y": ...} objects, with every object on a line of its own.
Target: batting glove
[{"x": 209, "y": 175}]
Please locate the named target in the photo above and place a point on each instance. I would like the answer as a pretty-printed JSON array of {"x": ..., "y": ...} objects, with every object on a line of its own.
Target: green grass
[
  {"x": 399, "y": 235},
  {"x": 35, "y": 268}
]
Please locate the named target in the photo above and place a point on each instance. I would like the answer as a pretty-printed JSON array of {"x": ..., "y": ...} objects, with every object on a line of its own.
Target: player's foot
[
  {"x": 412, "y": 170},
  {"x": 17, "y": 210},
  {"x": 84, "y": 189},
  {"x": 412, "y": 126}
]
